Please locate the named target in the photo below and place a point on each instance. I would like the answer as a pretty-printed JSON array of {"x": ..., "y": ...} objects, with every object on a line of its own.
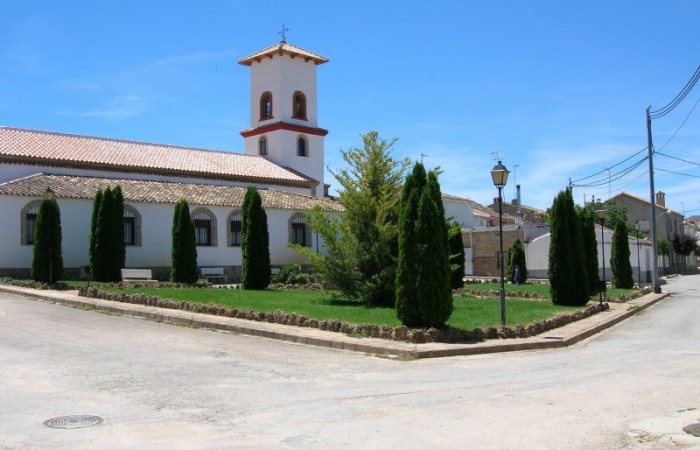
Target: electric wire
[
  {"x": 678, "y": 159},
  {"x": 678, "y": 99},
  {"x": 678, "y": 173},
  {"x": 679, "y": 126},
  {"x": 612, "y": 177},
  {"x": 611, "y": 167}
]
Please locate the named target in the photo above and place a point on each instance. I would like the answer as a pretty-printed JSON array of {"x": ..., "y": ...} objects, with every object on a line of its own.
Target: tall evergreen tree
[
  {"x": 590, "y": 248},
  {"x": 184, "y": 246},
  {"x": 118, "y": 250},
  {"x": 102, "y": 263},
  {"x": 92, "y": 253},
  {"x": 407, "y": 307},
  {"x": 456, "y": 256},
  {"x": 567, "y": 276},
  {"x": 516, "y": 257},
  {"x": 255, "y": 245},
  {"x": 434, "y": 287},
  {"x": 47, "y": 261},
  {"x": 362, "y": 246},
  {"x": 423, "y": 275},
  {"x": 620, "y": 257}
]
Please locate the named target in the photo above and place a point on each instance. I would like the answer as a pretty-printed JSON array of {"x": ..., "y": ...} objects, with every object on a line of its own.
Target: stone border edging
[{"x": 321, "y": 338}]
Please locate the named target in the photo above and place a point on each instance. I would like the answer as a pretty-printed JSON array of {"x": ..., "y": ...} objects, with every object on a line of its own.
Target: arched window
[
  {"x": 262, "y": 146},
  {"x": 132, "y": 226},
  {"x": 299, "y": 233},
  {"x": 28, "y": 222},
  {"x": 266, "y": 106},
  {"x": 299, "y": 106},
  {"x": 204, "y": 227},
  {"x": 235, "y": 222},
  {"x": 302, "y": 148}
]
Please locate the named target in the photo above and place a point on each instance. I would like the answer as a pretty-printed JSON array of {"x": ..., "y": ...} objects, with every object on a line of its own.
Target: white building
[{"x": 284, "y": 158}]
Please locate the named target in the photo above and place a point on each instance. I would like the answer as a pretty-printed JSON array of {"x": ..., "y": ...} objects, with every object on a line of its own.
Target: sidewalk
[{"x": 560, "y": 337}]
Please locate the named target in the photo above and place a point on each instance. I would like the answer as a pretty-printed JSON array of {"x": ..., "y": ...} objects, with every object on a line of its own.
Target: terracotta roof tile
[
  {"x": 84, "y": 188},
  {"x": 69, "y": 150},
  {"x": 283, "y": 49}
]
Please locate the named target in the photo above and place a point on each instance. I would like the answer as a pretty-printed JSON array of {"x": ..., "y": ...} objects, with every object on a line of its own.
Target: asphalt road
[{"x": 166, "y": 387}]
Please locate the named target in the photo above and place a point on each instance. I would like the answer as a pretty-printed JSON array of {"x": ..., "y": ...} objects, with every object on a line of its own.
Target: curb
[{"x": 558, "y": 338}]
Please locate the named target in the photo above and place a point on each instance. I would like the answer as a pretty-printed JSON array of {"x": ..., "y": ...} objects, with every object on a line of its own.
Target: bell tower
[{"x": 283, "y": 110}]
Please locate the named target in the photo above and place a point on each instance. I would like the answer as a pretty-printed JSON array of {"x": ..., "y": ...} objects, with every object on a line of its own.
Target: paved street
[{"x": 159, "y": 386}]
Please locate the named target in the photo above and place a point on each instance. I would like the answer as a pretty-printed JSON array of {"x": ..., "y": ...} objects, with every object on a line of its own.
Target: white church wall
[{"x": 156, "y": 234}]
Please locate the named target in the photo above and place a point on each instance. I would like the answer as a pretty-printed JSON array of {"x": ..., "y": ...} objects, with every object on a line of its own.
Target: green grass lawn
[{"x": 469, "y": 312}]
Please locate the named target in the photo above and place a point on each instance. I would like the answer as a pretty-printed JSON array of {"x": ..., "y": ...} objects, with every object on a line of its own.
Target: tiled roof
[
  {"x": 24, "y": 146},
  {"x": 84, "y": 188},
  {"x": 283, "y": 49}
]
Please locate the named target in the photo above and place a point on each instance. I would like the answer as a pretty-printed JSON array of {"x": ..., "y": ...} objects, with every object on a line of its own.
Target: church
[{"x": 283, "y": 158}]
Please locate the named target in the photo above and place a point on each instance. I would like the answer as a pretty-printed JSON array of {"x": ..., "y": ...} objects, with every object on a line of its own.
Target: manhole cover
[
  {"x": 74, "y": 421},
  {"x": 693, "y": 429}
]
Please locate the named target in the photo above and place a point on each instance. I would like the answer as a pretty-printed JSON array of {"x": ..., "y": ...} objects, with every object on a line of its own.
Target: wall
[
  {"x": 156, "y": 224},
  {"x": 537, "y": 256},
  {"x": 484, "y": 245}
]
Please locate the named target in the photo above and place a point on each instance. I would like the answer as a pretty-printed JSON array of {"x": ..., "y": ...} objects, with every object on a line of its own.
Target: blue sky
[{"x": 558, "y": 88}]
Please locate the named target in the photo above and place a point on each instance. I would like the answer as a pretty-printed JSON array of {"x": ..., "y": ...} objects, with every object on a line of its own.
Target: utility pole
[{"x": 652, "y": 195}]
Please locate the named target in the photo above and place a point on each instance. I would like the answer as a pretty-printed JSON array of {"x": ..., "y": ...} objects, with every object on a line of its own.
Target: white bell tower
[{"x": 283, "y": 110}]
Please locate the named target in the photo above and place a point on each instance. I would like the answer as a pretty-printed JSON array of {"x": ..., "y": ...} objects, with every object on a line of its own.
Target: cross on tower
[{"x": 283, "y": 33}]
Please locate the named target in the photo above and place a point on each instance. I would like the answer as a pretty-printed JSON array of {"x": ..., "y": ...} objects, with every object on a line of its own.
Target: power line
[
  {"x": 679, "y": 98},
  {"x": 678, "y": 159},
  {"x": 681, "y": 125},
  {"x": 678, "y": 173},
  {"x": 613, "y": 177},
  {"x": 611, "y": 167}
]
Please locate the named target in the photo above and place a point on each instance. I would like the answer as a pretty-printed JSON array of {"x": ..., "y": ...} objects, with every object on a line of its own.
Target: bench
[
  {"x": 213, "y": 273},
  {"x": 142, "y": 275},
  {"x": 273, "y": 272}
]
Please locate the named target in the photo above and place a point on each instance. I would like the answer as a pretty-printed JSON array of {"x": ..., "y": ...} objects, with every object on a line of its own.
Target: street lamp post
[
  {"x": 499, "y": 174},
  {"x": 603, "y": 285},
  {"x": 49, "y": 196},
  {"x": 637, "y": 229}
]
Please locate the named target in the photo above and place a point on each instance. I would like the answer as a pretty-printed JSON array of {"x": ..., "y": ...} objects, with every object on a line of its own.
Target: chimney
[
  {"x": 661, "y": 199},
  {"x": 520, "y": 205}
]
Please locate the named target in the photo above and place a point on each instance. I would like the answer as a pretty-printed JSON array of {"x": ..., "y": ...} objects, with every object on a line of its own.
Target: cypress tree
[
  {"x": 456, "y": 256},
  {"x": 590, "y": 249},
  {"x": 567, "y": 276},
  {"x": 516, "y": 257},
  {"x": 118, "y": 251},
  {"x": 47, "y": 261},
  {"x": 407, "y": 309},
  {"x": 255, "y": 245},
  {"x": 184, "y": 246},
  {"x": 103, "y": 246},
  {"x": 620, "y": 258},
  {"x": 434, "y": 287},
  {"x": 92, "y": 254}
]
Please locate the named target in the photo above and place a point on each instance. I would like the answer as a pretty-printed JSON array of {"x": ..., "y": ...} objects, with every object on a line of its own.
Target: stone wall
[{"x": 485, "y": 248}]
